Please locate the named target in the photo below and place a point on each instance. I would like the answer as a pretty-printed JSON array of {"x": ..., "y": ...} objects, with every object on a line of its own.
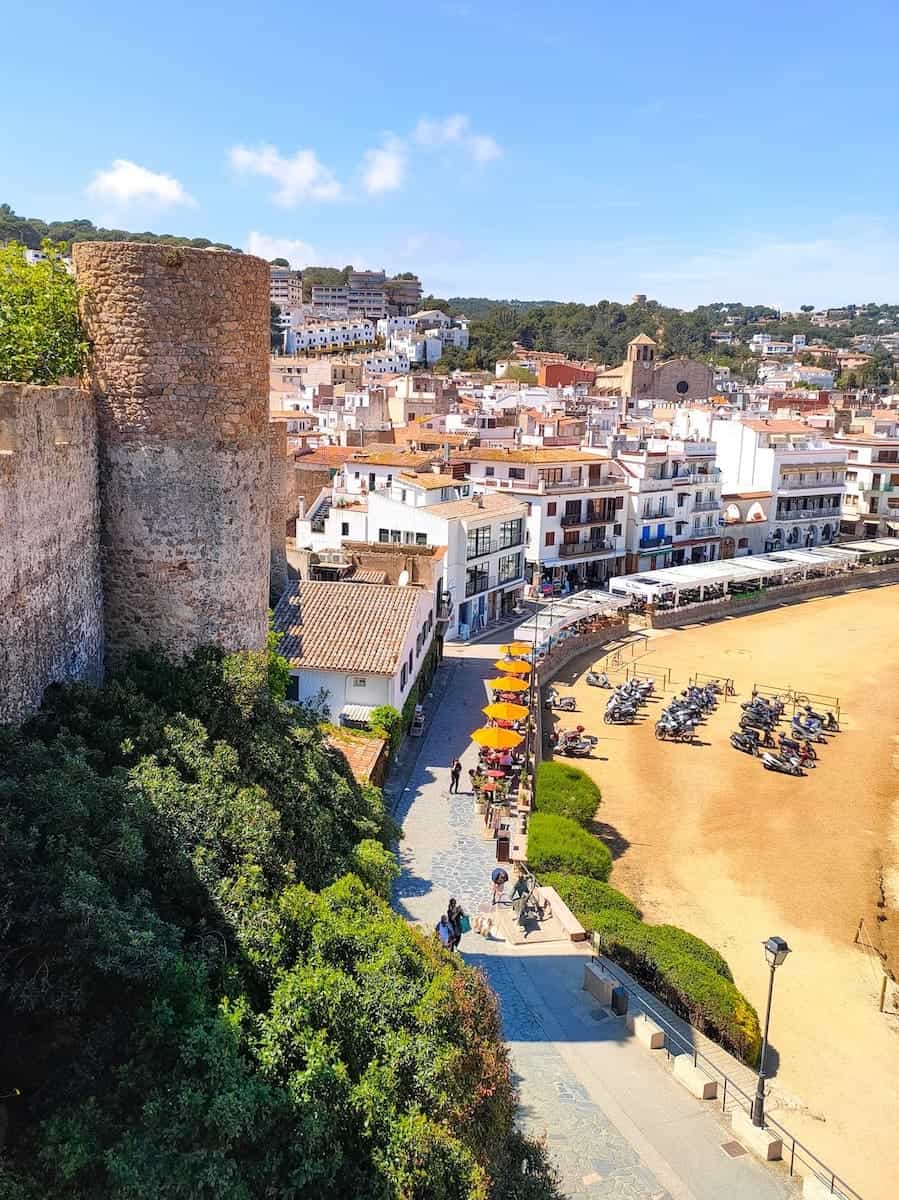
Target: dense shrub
[
  {"x": 587, "y": 897},
  {"x": 567, "y": 791},
  {"x": 660, "y": 957},
  {"x": 560, "y": 844},
  {"x": 41, "y": 339},
  {"x": 375, "y": 866}
]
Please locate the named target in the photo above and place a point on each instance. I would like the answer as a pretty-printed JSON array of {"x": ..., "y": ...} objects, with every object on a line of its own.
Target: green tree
[
  {"x": 41, "y": 339},
  {"x": 280, "y": 262}
]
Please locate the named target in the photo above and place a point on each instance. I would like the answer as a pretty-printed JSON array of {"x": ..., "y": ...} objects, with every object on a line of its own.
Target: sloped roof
[
  {"x": 642, "y": 339},
  {"x": 346, "y": 627}
]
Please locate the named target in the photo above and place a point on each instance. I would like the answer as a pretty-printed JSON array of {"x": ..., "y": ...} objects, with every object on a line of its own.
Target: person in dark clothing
[
  {"x": 499, "y": 877},
  {"x": 454, "y": 915},
  {"x": 455, "y": 772}
]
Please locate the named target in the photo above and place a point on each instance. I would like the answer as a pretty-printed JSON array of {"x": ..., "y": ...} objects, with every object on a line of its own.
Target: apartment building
[
  {"x": 286, "y": 287},
  {"x": 386, "y": 362},
  {"x": 674, "y": 508},
  {"x": 871, "y": 499},
  {"x": 805, "y": 474},
  {"x": 367, "y": 294},
  {"x": 330, "y": 300},
  {"x": 323, "y": 337},
  {"x": 403, "y": 295},
  {"x": 574, "y": 502}
]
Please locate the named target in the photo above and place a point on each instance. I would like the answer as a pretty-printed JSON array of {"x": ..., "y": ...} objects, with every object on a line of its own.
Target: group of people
[{"x": 452, "y": 924}]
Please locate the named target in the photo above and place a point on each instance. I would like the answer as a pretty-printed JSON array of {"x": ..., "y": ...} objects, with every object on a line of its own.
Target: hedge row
[
  {"x": 567, "y": 792},
  {"x": 588, "y": 897},
  {"x": 697, "y": 986},
  {"x": 560, "y": 844}
]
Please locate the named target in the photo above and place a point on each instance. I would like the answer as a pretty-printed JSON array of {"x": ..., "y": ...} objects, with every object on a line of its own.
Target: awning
[{"x": 356, "y": 714}]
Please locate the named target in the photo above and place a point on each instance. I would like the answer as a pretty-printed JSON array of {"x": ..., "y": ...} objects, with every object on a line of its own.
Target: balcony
[
  {"x": 808, "y": 514},
  {"x": 662, "y": 514},
  {"x": 654, "y": 543},
  {"x": 591, "y": 517},
  {"x": 707, "y": 506},
  {"x": 576, "y": 549},
  {"x": 815, "y": 485},
  {"x": 650, "y": 483}
]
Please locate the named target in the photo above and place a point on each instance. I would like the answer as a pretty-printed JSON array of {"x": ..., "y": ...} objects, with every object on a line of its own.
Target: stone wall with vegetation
[
  {"x": 277, "y": 439},
  {"x": 51, "y": 623},
  {"x": 179, "y": 372}
]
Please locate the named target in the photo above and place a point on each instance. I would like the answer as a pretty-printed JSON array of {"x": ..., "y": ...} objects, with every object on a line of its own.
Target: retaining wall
[{"x": 732, "y": 606}]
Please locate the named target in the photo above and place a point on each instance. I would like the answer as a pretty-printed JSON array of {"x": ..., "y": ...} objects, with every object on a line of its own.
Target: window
[
  {"x": 551, "y": 508},
  {"x": 617, "y": 530},
  {"x": 430, "y": 619},
  {"x": 396, "y": 535},
  {"x": 361, "y": 682},
  {"x": 478, "y": 541},
  {"x": 409, "y": 537},
  {"x": 344, "y": 529},
  {"x": 489, "y": 471},
  {"x": 410, "y": 662},
  {"x": 510, "y": 533},
  {"x": 476, "y": 580},
  {"x": 509, "y": 568},
  {"x": 403, "y": 678},
  {"x": 371, "y": 481},
  {"x": 516, "y": 472},
  {"x": 550, "y": 475},
  {"x": 383, "y": 535},
  {"x": 421, "y": 539},
  {"x": 550, "y": 539},
  {"x": 293, "y": 689},
  {"x": 402, "y": 495},
  {"x": 569, "y": 537}
]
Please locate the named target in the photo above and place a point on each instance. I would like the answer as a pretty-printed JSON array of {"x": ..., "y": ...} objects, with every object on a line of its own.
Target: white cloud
[
  {"x": 125, "y": 183},
  {"x": 384, "y": 168},
  {"x": 298, "y": 254},
  {"x": 456, "y": 130},
  {"x": 300, "y": 178}
]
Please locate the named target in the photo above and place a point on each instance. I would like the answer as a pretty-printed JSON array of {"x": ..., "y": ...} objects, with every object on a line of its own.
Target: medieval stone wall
[
  {"x": 179, "y": 372},
  {"x": 51, "y": 626}
]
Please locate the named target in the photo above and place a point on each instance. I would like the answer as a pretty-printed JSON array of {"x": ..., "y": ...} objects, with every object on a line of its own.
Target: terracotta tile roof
[
  {"x": 361, "y": 751},
  {"x": 777, "y": 426},
  {"x": 392, "y": 457},
  {"x": 345, "y": 627},
  {"x": 326, "y": 456},
  {"x": 494, "y": 505},
  {"x": 430, "y": 479}
]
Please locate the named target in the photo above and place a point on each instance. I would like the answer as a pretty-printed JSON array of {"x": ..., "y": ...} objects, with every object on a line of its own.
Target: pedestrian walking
[
  {"x": 455, "y": 915},
  {"x": 444, "y": 932},
  {"x": 455, "y": 772},
  {"x": 499, "y": 878}
]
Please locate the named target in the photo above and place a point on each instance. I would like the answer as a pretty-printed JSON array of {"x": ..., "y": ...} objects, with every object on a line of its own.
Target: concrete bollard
[
  {"x": 694, "y": 1080},
  {"x": 760, "y": 1141},
  {"x": 646, "y": 1031}
]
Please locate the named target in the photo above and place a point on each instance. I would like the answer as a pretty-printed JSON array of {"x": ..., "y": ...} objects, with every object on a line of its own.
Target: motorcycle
[
  {"x": 575, "y": 748},
  {"x": 800, "y": 748},
  {"x": 781, "y": 764},
  {"x": 808, "y": 733},
  {"x": 676, "y": 731},
  {"x": 825, "y": 721},
  {"x": 598, "y": 679},
  {"x": 745, "y": 743},
  {"x": 563, "y": 703},
  {"x": 619, "y": 715}
]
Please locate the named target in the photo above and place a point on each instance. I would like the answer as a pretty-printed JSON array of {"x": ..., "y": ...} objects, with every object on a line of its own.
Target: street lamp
[{"x": 776, "y": 951}]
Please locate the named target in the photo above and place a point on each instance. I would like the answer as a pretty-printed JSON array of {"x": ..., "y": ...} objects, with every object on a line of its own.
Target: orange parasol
[
  {"x": 497, "y": 739},
  {"x": 513, "y": 668},
  {"x": 508, "y": 684},
  {"x": 516, "y": 649},
  {"x": 504, "y": 711}
]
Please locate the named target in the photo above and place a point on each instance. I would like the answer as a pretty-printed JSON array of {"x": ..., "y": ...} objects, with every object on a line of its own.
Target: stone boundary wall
[
  {"x": 51, "y": 612},
  {"x": 277, "y": 440},
  {"x": 862, "y": 577}
]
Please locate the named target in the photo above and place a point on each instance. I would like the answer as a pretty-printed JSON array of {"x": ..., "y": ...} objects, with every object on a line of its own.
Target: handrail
[{"x": 798, "y": 1150}]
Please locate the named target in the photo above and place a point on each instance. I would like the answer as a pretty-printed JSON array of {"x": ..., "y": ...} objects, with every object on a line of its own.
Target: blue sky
[{"x": 581, "y": 150}]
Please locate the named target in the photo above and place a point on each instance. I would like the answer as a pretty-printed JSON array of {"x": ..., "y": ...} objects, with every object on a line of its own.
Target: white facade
[
  {"x": 420, "y": 350},
  {"x": 871, "y": 499},
  {"x": 805, "y": 474},
  {"x": 386, "y": 362},
  {"x": 324, "y": 336}
]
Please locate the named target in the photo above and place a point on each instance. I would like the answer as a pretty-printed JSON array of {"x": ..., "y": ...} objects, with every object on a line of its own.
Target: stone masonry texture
[
  {"x": 51, "y": 618},
  {"x": 179, "y": 373}
]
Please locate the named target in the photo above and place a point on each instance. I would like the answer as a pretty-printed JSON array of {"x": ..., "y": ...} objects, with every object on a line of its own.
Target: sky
[{"x": 576, "y": 151}]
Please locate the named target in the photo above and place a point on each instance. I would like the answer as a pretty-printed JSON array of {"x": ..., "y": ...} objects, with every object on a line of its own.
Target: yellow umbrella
[
  {"x": 497, "y": 739},
  {"x": 504, "y": 711},
  {"x": 513, "y": 668},
  {"x": 508, "y": 684},
  {"x": 516, "y": 649}
]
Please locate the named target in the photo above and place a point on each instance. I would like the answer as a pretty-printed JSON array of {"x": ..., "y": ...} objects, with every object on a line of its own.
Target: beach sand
[{"x": 705, "y": 838}]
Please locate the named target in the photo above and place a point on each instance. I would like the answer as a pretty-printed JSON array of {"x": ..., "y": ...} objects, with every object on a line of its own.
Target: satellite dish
[{"x": 403, "y": 579}]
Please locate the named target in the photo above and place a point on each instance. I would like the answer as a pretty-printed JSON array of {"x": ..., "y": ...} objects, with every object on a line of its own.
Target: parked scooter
[
  {"x": 598, "y": 679},
  {"x": 826, "y": 721},
  {"x": 782, "y": 764},
  {"x": 802, "y": 748},
  {"x": 745, "y": 742},
  {"x": 564, "y": 703}
]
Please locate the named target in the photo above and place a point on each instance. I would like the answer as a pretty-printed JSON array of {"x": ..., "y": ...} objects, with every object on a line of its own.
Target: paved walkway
[{"x": 616, "y": 1122}]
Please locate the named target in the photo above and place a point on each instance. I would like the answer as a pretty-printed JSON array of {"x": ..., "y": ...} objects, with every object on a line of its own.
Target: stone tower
[{"x": 179, "y": 371}]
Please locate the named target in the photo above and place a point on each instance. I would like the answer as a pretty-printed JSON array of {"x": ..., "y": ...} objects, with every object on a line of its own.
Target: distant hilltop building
[
  {"x": 675, "y": 380},
  {"x": 137, "y": 510}
]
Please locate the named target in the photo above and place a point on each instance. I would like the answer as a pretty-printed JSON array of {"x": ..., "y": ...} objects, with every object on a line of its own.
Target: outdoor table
[{"x": 496, "y": 774}]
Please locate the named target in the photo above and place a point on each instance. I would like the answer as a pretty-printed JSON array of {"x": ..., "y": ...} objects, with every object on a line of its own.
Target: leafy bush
[
  {"x": 567, "y": 791},
  {"x": 41, "y": 339},
  {"x": 386, "y": 721},
  {"x": 182, "y": 1014},
  {"x": 694, "y": 989},
  {"x": 586, "y": 897},
  {"x": 560, "y": 844},
  {"x": 376, "y": 866}
]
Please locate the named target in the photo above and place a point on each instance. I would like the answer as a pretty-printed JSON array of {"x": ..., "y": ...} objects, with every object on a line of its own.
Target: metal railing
[
  {"x": 707, "y": 506},
  {"x": 807, "y": 514},
  {"x": 731, "y": 1090},
  {"x": 591, "y": 517},
  {"x": 652, "y": 542},
  {"x": 798, "y": 697},
  {"x": 572, "y": 549},
  {"x": 805, "y": 484}
]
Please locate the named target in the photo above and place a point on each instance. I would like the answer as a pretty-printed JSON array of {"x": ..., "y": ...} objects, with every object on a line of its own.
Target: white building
[
  {"x": 574, "y": 502},
  {"x": 355, "y": 645},
  {"x": 785, "y": 375},
  {"x": 674, "y": 506},
  {"x": 419, "y": 349},
  {"x": 804, "y": 473},
  {"x": 871, "y": 499},
  {"x": 331, "y": 300},
  {"x": 386, "y": 362},
  {"x": 326, "y": 336},
  {"x": 390, "y": 325}
]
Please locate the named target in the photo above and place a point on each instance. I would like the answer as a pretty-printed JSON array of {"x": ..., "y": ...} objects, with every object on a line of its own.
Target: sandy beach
[{"x": 705, "y": 838}]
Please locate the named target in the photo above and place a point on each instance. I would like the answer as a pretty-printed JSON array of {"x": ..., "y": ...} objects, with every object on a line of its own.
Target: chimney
[{"x": 479, "y": 499}]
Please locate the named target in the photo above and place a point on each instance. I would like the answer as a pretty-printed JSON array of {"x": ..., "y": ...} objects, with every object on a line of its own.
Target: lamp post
[{"x": 776, "y": 951}]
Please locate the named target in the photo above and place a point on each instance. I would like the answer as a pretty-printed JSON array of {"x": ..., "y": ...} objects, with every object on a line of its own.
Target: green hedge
[
  {"x": 560, "y": 844},
  {"x": 587, "y": 897},
  {"x": 665, "y": 960},
  {"x": 567, "y": 791}
]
